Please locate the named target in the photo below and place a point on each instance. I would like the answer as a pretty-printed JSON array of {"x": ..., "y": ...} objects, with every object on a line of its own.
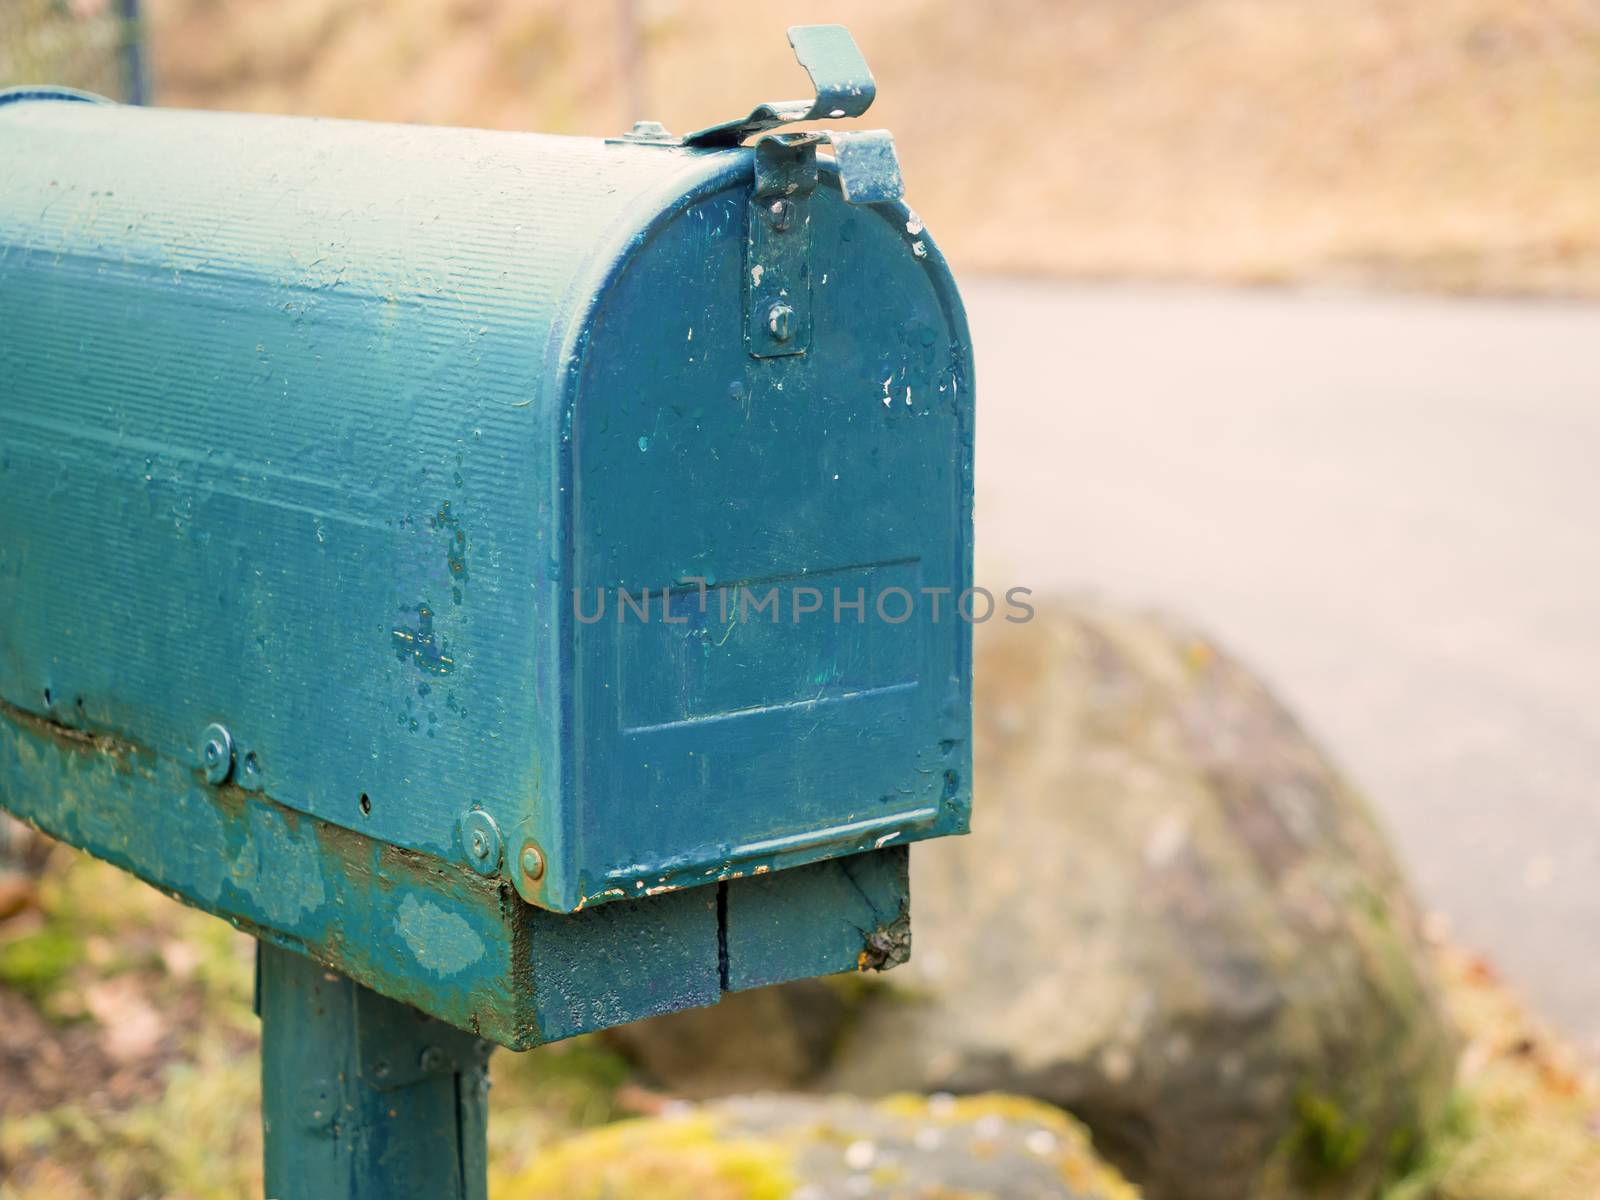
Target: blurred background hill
[
  {"x": 1426, "y": 143},
  {"x": 1430, "y": 143}
]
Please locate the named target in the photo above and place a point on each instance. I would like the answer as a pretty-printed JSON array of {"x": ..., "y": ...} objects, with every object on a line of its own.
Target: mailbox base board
[{"x": 430, "y": 933}]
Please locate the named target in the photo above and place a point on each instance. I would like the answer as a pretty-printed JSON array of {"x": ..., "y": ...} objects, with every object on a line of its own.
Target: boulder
[
  {"x": 1173, "y": 918},
  {"x": 778, "y": 1147},
  {"x": 760, "y": 1040}
]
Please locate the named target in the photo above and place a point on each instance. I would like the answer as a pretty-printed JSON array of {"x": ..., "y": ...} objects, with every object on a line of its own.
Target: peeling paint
[
  {"x": 442, "y": 942},
  {"x": 280, "y": 872}
]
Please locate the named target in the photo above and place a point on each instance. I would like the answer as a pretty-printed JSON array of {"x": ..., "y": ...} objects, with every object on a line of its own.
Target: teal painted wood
[
  {"x": 313, "y": 428},
  {"x": 363, "y": 1098},
  {"x": 775, "y": 924},
  {"x": 428, "y": 931}
]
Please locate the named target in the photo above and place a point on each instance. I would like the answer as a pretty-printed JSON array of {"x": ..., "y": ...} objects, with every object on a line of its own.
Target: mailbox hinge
[{"x": 777, "y": 283}]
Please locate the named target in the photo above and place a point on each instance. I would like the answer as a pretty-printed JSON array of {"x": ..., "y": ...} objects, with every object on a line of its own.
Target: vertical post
[
  {"x": 131, "y": 48},
  {"x": 364, "y": 1098}
]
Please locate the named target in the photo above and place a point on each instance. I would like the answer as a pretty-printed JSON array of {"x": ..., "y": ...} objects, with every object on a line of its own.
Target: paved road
[{"x": 1391, "y": 507}]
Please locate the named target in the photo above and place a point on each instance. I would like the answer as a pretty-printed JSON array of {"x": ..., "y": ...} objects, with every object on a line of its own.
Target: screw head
[
  {"x": 780, "y": 214},
  {"x": 780, "y": 322},
  {"x": 648, "y": 131},
  {"x": 480, "y": 837},
  {"x": 431, "y": 1059},
  {"x": 216, "y": 753},
  {"x": 532, "y": 861}
]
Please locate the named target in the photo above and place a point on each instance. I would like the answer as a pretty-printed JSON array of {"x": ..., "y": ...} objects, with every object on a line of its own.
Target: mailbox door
[{"x": 767, "y": 554}]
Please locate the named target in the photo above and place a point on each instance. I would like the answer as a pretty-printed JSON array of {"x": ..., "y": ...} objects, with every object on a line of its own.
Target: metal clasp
[
  {"x": 869, "y": 171},
  {"x": 777, "y": 283}
]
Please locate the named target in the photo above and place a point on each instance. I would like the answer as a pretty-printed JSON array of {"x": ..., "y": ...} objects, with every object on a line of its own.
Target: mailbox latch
[
  {"x": 777, "y": 279},
  {"x": 777, "y": 284}
]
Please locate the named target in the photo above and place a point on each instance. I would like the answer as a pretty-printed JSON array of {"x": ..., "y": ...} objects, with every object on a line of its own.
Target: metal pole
[
  {"x": 134, "y": 84},
  {"x": 364, "y": 1098}
]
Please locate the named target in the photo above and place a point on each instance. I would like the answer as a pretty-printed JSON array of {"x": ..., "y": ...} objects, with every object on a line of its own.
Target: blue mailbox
[{"x": 520, "y": 572}]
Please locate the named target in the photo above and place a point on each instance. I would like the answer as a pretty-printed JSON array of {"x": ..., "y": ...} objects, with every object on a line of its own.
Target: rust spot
[
  {"x": 886, "y": 946},
  {"x": 77, "y": 741}
]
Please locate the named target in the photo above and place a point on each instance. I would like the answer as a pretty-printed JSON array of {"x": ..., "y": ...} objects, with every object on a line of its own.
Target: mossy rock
[{"x": 787, "y": 1147}]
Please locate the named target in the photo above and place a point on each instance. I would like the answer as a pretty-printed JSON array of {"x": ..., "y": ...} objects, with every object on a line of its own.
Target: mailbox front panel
[{"x": 768, "y": 554}]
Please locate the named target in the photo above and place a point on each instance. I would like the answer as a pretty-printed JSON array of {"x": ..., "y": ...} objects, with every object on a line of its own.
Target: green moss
[
  {"x": 36, "y": 963},
  {"x": 688, "y": 1158},
  {"x": 1403, "y": 1150},
  {"x": 1327, "y": 1143},
  {"x": 1419, "y": 1173}
]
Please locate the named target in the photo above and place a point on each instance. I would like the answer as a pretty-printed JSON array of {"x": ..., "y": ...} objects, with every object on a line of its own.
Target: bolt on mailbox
[{"x": 504, "y": 568}]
